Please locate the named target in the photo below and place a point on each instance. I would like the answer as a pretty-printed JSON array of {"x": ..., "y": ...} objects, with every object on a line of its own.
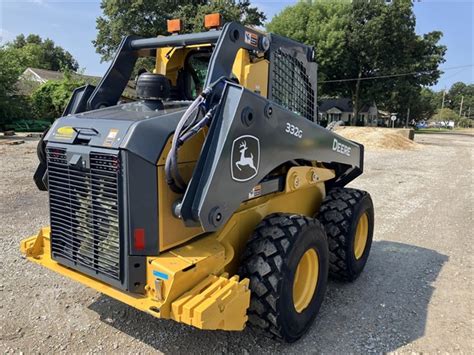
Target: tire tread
[
  {"x": 336, "y": 216},
  {"x": 262, "y": 263}
]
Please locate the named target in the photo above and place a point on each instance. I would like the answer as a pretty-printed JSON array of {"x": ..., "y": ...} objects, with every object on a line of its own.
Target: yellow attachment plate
[
  {"x": 215, "y": 303},
  {"x": 38, "y": 250},
  {"x": 184, "y": 267}
]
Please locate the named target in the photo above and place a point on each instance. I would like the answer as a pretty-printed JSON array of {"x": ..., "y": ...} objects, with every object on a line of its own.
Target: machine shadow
[{"x": 389, "y": 302}]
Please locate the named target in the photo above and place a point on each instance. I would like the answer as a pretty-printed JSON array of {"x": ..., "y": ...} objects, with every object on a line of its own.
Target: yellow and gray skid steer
[{"x": 213, "y": 199}]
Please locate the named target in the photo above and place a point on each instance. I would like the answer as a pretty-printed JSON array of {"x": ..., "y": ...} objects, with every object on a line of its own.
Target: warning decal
[
  {"x": 111, "y": 137},
  {"x": 251, "y": 38}
]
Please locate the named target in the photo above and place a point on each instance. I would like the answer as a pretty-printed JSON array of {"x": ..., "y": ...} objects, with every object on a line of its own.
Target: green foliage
[
  {"x": 35, "y": 52},
  {"x": 425, "y": 104},
  {"x": 460, "y": 92},
  {"x": 445, "y": 115},
  {"x": 9, "y": 73},
  {"x": 51, "y": 98},
  {"x": 362, "y": 39},
  {"x": 193, "y": 13},
  {"x": 324, "y": 25},
  {"x": 465, "y": 122},
  {"x": 10, "y": 106},
  {"x": 147, "y": 18},
  {"x": 429, "y": 102},
  {"x": 15, "y": 57}
]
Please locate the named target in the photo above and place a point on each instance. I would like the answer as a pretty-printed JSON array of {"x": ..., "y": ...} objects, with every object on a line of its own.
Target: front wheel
[{"x": 286, "y": 260}]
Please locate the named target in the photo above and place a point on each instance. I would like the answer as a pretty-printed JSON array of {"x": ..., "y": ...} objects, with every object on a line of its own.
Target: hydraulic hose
[{"x": 188, "y": 126}]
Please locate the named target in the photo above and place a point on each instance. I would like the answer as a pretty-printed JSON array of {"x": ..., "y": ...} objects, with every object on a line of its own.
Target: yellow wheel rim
[
  {"x": 362, "y": 232},
  {"x": 306, "y": 278}
]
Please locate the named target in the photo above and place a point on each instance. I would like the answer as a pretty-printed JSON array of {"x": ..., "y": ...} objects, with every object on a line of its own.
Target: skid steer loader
[{"x": 213, "y": 199}]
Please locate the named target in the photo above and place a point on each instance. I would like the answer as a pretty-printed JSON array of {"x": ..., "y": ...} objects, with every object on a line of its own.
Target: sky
[{"x": 71, "y": 24}]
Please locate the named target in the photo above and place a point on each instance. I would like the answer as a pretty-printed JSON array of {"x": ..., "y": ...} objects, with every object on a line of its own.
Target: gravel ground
[{"x": 414, "y": 296}]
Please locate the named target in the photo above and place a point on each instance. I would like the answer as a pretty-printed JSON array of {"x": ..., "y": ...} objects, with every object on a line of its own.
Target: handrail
[{"x": 176, "y": 40}]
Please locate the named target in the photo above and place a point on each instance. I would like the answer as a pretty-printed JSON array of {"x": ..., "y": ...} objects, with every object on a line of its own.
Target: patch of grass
[{"x": 434, "y": 130}]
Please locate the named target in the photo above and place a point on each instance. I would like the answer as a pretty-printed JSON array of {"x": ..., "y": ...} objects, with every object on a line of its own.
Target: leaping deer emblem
[{"x": 245, "y": 161}]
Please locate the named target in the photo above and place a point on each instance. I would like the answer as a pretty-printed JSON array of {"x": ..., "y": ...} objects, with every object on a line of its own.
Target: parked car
[{"x": 421, "y": 124}]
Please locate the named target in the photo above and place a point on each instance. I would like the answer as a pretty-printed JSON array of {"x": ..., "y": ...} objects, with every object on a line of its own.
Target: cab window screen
[{"x": 198, "y": 64}]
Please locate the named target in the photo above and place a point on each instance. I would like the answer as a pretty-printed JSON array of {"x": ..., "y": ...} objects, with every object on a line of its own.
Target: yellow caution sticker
[{"x": 65, "y": 132}]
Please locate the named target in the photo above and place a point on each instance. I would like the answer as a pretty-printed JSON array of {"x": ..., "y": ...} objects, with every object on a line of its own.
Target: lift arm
[{"x": 248, "y": 138}]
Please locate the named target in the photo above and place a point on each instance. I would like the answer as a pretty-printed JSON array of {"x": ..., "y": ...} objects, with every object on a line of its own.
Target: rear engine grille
[{"x": 84, "y": 212}]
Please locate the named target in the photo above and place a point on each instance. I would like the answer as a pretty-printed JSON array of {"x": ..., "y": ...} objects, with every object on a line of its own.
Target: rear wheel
[
  {"x": 348, "y": 218},
  {"x": 286, "y": 260}
]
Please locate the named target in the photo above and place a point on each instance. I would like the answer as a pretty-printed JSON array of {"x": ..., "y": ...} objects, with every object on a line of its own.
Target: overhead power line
[{"x": 392, "y": 75}]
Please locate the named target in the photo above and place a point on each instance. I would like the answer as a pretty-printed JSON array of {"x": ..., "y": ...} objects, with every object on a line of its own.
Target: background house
[
  {"x": 341, "y": 109},
  {"x": 32, "y": 78}
]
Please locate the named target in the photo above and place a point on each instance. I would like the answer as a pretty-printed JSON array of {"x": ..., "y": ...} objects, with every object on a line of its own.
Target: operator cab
[{"x": 184, "y": 65}]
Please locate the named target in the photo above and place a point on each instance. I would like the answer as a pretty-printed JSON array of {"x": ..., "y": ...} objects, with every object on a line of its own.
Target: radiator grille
[
  {"x": 291, "y": 87},
  {"x": 84, "y": 212}
]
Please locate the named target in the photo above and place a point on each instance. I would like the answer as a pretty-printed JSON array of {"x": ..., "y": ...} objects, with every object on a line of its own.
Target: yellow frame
[{"x": 197, "y": 272}]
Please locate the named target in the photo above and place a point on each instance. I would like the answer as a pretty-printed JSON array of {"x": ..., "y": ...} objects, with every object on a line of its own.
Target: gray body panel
[{"x": 126, "y": 126}]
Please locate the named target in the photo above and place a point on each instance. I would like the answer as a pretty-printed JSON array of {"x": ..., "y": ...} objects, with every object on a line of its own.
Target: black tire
[
  {"x": 340, "y": 213},
  {"x": 270, "y": 261},
  {"x": 40, "y": 173},
  {"x": 41, "y": 148}
]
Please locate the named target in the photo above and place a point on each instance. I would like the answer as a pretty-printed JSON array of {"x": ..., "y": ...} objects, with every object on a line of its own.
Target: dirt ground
[
  {"x": 377, "y": 138},
  {"x": 415, "y": 295}
]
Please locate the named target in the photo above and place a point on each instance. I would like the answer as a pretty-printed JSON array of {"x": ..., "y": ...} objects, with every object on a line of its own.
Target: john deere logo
[{"x": 245, "y": 158}]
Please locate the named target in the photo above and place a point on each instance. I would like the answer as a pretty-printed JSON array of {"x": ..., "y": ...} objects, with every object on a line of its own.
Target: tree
[
  {"x": 50, "y": 99},
  {"x": 366, "y": 50},
  {"x": 147, "y": 18},
  {"x": 424, "y": 104},
  {"x": 33, "y": 51},
  {"x": 466, "y": 122},
  {"x": 323, "y": 25},
  {"x": 445, "y": 115},
  {"x": 460, "y": 92},
  {"x": 10, "y": 70},
  {"x": 15, "y": 57}
]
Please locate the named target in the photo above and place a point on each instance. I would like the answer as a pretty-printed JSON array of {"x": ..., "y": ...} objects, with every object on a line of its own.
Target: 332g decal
[{"x": 293, "y": 130}]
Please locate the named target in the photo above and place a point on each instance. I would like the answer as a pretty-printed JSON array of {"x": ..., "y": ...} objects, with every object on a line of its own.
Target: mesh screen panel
[
  {"x": 291, "y": 87},
  {"x": 84, "y": 212}
]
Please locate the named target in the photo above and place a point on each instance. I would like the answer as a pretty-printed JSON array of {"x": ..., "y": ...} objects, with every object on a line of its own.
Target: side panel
[
  {"x": 172, "y": 231},
  {"x": 141, "y": 201},
  {"x": 271, "y": 137}
]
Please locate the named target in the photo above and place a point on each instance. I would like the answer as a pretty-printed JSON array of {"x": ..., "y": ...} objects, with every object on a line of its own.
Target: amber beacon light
[
  {"x": 174, "y": 26},
  {"x": 213, "y": 21}
]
